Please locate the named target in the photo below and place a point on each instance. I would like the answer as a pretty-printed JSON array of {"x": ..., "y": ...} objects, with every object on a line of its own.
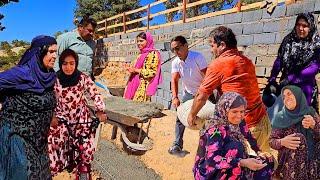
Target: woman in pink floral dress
[
  {"x": 71, "y": 88},
  {"x": 222, "y": 151}
]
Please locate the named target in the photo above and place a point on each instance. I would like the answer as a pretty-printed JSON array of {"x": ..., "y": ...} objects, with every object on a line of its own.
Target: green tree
[
  {"x": 102, "y": 9},
  {"x": 2, "y": 3},
  {"x": 4, "y": 45},
  {"x": 59, "y": 33},
  {"x": 19, "y": 43}
]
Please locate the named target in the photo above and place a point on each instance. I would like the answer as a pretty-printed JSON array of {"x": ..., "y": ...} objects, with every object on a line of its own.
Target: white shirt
[{"x": 190, "y": 71}]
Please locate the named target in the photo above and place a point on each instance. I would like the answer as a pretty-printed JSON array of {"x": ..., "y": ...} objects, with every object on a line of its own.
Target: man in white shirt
[{"x": 190, "y": 67}]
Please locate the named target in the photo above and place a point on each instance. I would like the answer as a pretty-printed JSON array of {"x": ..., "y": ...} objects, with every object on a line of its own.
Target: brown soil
[
  {"x": 115, "y": 74},
  {"x": 162, "y": 133}
]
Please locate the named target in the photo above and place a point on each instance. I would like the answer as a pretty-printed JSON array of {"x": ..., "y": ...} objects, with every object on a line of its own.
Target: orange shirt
[{"x": 232, "y": 71}]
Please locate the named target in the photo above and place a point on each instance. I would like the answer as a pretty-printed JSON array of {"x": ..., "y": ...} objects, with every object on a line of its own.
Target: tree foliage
[
  {"x": 201, "y": 9},
  {"x": 102, "y": 9},
  {"x": 9, "y": 57},
  {"x": 2, "y": 3}
]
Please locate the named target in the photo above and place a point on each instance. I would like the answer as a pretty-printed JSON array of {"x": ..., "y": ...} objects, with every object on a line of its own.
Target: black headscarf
[
  {"x": 296, "y": 53},
  {"x": 68, "y": 80}
]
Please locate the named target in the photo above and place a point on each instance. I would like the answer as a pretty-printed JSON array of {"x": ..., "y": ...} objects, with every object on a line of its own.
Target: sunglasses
[{"x": 177, "y": 48}]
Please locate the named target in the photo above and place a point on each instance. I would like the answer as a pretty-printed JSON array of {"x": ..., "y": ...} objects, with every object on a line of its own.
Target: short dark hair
[
  {"x": 86, "y": 20},
  {"x": 142, "y": 35},
  {"x": 68, "y": 52},
  {"x": 180, "y": 39},
  {"x": 224, "y": 34}
]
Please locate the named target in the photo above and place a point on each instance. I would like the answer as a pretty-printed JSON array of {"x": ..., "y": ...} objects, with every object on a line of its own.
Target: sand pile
[{"x": 115, "y": 74}]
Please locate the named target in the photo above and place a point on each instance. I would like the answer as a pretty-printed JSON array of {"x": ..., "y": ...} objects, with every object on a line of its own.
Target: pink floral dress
[{"x": 72, "y": 107}]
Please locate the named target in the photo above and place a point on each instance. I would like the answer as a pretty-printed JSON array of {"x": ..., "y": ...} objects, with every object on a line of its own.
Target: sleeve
[
  {"x": 275, "y": 70},
  {"x": 201, "y": 61},
  {"x": 274, "y": 141},
  {"x": 94, "y": 94},
  {"x": 62, "y": 43},
  {"x": 247, "y": 134},
  {"x": 58, "y": 108},
  {"x": 174, "y": 66},
  {"x": 150, "y": 67},
  {"x": 215, "y": 162},
  {"x": 212, "y": 79},
  {"x": 305, "y": 74}
]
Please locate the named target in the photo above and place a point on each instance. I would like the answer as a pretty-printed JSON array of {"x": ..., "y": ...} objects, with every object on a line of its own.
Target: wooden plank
[
  {"x": 101, "y": 29},
  {"x": 137, "y": 10},
  {"x": 166, "y": 11},
  {"x": 122, "y": 118},
  {"x": 217, "y": 13},
  {"x": 114, "y": 17},
  {"x": 136, "y": 20},
  {"x": 137, "y": 29},
  {"x": 115, "y": 25}
]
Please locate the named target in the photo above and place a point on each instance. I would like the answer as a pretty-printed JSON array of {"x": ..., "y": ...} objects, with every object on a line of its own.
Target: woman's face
[
  {"x": 302, "y": 28},
  {"x": 141, "y": 43},
  {"x": 235, "y": 115},
  {"x": 289, "y": 99},
  {"x": 50, "y": 57},
  {"x": 69, "y": 65}
]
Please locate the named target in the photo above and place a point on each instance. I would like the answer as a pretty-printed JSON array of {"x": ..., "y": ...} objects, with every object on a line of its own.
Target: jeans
[{"x": 179, "y": 129}]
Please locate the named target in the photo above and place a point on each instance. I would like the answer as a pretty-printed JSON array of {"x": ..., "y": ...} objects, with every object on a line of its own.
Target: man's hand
[
  {"x": 176, "y": 102},
  {"x": 102, "y": 116},
  {"x": 191, "y": 120},
  {"x": 291, "y": 141},
  {"x": 308, "y": 122}
]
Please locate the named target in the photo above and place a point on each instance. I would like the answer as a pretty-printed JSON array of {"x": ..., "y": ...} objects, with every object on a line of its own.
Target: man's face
[
  {"x": 179, "y": 49},
  {"x": 86, "y": 32},
  {"x": 215, "y": 49}
]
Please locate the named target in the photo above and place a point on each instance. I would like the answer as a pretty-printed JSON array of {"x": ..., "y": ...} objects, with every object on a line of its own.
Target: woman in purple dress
[
  {"x": 296, "y": 134},
  {"x": 298, "y": 59},
  {"x": 223, "y": 148}
]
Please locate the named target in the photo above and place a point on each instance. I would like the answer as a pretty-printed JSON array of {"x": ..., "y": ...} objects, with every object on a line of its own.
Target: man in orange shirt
[{"x": 231, "y": 71}]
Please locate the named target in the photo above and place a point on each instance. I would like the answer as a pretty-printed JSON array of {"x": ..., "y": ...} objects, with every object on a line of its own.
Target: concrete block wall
[{"x": 258, "y": 33}]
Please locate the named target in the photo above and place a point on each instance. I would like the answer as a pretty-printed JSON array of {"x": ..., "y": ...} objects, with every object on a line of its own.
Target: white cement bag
[{"x": 205, "y": 113}]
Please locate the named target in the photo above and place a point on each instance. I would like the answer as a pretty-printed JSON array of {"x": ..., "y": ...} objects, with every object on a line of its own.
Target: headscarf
[
  {"x": 286, "y": 118},
  {"x": 226, "y": 102},
  {"x": 295, "y": 53},
  {"x": 30, "y": 74},
  {"x": 134, "y": 80},
  {"x": 68, "y": 80}
]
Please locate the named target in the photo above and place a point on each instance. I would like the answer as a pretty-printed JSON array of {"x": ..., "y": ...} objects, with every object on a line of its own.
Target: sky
[{"x": 29, "y": 18}]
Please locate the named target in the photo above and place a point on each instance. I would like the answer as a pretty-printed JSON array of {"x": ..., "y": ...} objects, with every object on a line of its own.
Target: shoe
[{"x": 174, "y": 149}]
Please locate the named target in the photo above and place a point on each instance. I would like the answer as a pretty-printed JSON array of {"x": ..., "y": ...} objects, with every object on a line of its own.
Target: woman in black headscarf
[
  {"x": 296, "y": 134},
  {"x": 27, "y": 112},
  {"x": 298, "y": 60}
]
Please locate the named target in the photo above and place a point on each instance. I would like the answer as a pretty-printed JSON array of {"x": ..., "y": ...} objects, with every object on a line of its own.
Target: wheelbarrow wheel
[{"x": 132, "y": 134}]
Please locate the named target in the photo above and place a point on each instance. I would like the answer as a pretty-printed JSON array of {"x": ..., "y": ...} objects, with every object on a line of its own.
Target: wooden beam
[
  {"x": 136, "y": 20},
  {"x": 217, "y": 13},
  {"x": 198, "y": 3},
  {"x": 166, "y": 11},
  {"x": 184, "y": 11},
  {"x": 165, "y": 25}
]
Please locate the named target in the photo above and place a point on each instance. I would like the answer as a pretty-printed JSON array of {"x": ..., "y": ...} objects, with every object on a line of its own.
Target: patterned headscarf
[
  {"x": 296, "y": 53},
  {"x": 226, "y": 102}
]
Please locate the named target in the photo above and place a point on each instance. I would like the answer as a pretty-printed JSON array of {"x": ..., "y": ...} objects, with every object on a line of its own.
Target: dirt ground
[{"x": 162, "y": 133}]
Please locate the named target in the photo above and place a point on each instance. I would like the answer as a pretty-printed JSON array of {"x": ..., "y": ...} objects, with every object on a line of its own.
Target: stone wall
[{"x": 258, "y": 33}]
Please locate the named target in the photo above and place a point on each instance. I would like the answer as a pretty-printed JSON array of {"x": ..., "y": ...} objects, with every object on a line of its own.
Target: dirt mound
[{"x": 115, "y": 74}]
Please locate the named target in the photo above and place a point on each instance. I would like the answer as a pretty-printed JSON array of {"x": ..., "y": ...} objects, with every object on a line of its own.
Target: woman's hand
[
  {"x": 102, "y": 116},
  {"x": 291, "y": 141},
  {"x": 54, "y": 121},
  {"x": 265, "y": 155},
  {"x": 308, "y": 122},
  {"x": 132, "y": 69},
  {"x": 252, "y": 163}
]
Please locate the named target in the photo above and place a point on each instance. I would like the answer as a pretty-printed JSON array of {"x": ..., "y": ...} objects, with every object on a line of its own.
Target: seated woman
[
  {"x": 295, "y": 134},
  {"x": 223, "y": 147},
  {"x": 70, "y": 89},
  {"x": 145, "y": 75}
]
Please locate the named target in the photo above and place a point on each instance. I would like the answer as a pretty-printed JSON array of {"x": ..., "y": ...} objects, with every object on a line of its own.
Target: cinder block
[
  {"x": 168, "y": 29},
  {"x": 275, "y": 26},
  {"x": 200, "y": 23},
  {"x": 245, "y": 40},
  {"x": 178, "y": 27},
  {"x": 233, "y": 18},
  {"x": 251, "y": 16},
  {"x": 317, "y": 6},
  {"x": 280, "y": 11},
  {"x": 280, "y": 36},
  {"x": 273, "y": 49},
  {"x": 260, "y": 71},
  {"x": 236, "y": 28},
  {"x": 264, "y": 38},
  {"x": 264, "y": 61},
  {"x": 294, "y": 9},
  {"x": 291, "y": 22},
  {"x": 252, "y": 28},
  {"x": 212, "y": 21}
]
